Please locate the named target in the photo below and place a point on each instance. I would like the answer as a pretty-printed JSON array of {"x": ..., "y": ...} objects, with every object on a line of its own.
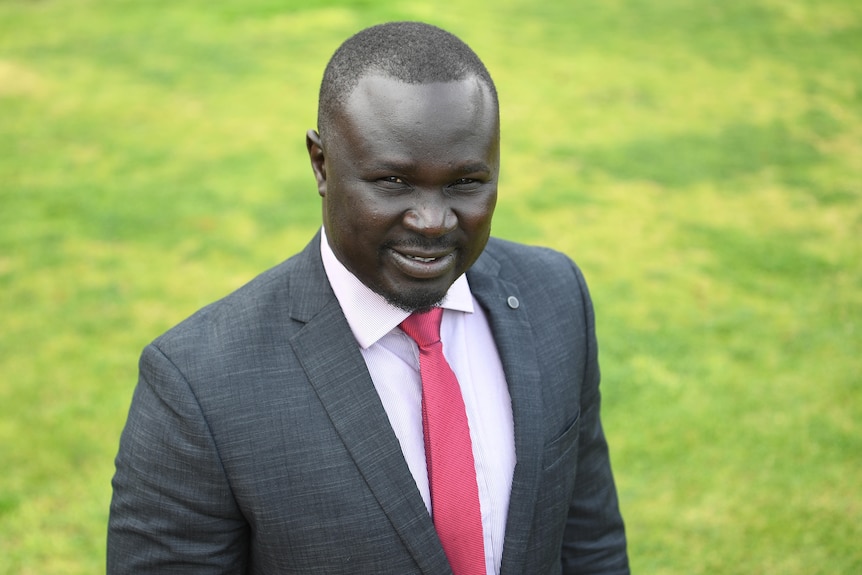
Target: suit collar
[{"x": 309, "y": 290}]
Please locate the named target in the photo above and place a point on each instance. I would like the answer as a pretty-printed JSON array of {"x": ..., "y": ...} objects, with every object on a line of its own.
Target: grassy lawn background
[{"x": 701, "y": 161}]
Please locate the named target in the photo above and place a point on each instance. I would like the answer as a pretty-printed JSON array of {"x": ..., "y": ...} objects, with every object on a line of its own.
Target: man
[{"x": 292, "y": 426}]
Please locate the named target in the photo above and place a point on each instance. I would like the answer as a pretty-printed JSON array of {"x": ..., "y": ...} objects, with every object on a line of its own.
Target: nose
[{"x": 432, "y": 216}]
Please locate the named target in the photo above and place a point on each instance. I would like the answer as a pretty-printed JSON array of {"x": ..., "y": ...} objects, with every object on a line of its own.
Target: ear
[{"x": 318, "y": 161}]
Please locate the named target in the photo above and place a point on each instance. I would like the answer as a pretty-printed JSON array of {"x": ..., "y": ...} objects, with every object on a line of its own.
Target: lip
[{"x": 423, "y": 265}]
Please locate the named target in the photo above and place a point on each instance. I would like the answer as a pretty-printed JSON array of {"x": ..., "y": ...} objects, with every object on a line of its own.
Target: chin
[{"x": 413, "y": 300}]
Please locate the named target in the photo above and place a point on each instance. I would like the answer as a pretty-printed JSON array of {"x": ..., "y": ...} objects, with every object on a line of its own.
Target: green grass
[{"x": 701, "y": 161}]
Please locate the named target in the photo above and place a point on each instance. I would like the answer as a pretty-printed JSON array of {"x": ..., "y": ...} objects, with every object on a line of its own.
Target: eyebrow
[
  {"x": 476, "y": 167},
  {"x": 406, "y": 167}
]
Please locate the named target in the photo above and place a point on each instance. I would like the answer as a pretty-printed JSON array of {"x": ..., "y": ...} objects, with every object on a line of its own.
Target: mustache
[{"x": 443, "y": 243}]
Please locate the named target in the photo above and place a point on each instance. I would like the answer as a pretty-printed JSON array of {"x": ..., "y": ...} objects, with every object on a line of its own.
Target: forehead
[{"x": 381, "y": 107}]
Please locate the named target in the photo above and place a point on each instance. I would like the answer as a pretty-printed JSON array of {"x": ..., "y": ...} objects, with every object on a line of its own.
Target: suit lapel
[
  {"x": 335, "y": 368},
  {"x": 514, "y": 337}
]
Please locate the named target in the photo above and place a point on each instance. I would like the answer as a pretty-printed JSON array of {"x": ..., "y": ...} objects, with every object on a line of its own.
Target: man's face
[{"x": 408, "y": 177}]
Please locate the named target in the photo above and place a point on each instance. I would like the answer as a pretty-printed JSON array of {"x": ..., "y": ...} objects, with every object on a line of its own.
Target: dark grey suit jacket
[{"x": 256, "y": 442}]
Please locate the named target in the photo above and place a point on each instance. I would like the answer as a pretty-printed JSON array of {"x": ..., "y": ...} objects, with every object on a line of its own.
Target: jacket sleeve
[
  {"x": 172, "y": 509},
  {"x": 594, "y": 541}
]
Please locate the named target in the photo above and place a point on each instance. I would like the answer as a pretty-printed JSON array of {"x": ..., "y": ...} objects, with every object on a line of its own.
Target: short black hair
[{"x": 410, "y": 52}]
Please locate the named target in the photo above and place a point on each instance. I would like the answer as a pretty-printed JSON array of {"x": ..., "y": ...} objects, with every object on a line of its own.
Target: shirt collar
[{"x": 368, "y": 313}]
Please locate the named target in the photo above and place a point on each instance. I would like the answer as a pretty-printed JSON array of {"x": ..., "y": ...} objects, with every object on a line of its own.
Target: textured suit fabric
[{"x": 256, "y": 442}]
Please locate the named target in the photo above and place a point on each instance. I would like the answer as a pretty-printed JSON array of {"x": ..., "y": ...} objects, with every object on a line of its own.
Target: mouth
[{"x": 423, "y": 265}]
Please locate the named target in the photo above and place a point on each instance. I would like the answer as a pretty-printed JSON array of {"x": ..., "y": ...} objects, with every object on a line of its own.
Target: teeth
[{"x": 420, "y": 259}]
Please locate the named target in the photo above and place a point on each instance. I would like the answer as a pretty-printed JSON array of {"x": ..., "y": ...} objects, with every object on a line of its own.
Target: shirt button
[{"x": 513, "y": 302}]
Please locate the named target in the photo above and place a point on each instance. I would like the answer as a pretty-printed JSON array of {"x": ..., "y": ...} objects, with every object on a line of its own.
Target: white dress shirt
[{"x": 392, "y": 358}]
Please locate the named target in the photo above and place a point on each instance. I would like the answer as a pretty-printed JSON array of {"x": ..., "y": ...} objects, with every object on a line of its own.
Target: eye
[
  {"x": 465, "y": 184},
  {"x": 392, "y": 182}
]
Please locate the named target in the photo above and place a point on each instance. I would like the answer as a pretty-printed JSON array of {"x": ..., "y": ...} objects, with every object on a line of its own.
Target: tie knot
[{"x": 424, "y": 327}]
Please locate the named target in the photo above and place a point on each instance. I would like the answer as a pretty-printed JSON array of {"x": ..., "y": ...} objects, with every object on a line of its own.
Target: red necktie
[{"x": 448, "y": 450}]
